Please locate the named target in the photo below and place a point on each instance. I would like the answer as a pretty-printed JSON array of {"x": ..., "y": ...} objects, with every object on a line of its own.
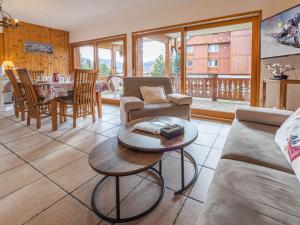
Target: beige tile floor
[{"x": 45, "y": 177}]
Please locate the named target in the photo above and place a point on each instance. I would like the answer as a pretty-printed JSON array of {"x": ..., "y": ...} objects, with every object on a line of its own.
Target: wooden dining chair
[
  {"x": 19, "y": 95},
  {"x": 36, "y": 106},
  {"x": 35, "y": 74},
  {"x": 83, "y": 99}
]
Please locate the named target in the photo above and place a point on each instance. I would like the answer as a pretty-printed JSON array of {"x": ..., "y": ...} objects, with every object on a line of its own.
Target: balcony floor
[
  {"x": 223, "y": 106},
  {"x": 200, "y": 103}
]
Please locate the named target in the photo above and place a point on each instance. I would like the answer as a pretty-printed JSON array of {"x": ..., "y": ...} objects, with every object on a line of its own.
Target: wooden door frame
[
  {"x": 94, "y": 43},
  {"x": 253, "y": 17}
]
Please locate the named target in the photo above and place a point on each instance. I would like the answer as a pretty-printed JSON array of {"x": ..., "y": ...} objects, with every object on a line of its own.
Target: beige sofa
[
  {"x": 132, "y": 106},
  {"x": 253, "y": 184}
]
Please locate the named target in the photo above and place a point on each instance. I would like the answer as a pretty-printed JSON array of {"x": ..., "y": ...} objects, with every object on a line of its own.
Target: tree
[
  {"x": 85, "y": 64},
  {"x": 176, "y": 64},
  {"x": 159, "y": 67},
  {"x": 104, "y": 69}
]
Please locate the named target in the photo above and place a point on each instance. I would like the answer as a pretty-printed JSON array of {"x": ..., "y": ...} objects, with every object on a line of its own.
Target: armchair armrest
[
  {"x": 180, "y": 99},
  {"x": 130, "y": 103},
  {"x": 274, "y": 117}
]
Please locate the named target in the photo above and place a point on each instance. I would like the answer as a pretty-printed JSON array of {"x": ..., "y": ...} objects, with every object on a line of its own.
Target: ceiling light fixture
[{"x": 7, "y": 21}]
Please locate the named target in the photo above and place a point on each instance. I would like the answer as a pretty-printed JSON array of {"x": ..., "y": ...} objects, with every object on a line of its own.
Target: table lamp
[{"x": 6, "y": 65}]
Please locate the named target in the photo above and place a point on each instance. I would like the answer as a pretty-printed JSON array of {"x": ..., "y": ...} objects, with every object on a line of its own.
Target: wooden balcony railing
[{"x": 214, "y": 87}]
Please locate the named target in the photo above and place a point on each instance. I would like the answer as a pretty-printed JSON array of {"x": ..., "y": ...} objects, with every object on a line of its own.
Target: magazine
[{"x": 152, "y": 126}]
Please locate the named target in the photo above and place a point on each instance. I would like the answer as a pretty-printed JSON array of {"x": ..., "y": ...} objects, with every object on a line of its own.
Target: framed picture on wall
[
  {"x": 36, "y": 47},
  {"x": 280, "y": 34}
]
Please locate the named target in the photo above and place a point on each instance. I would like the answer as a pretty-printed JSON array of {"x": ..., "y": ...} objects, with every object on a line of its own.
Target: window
[
  {"x": 190, "y": 49},
  {"x": 110, "y": 58},
  {"x": 213, "y": 63},
  {"x": 189, "y": 63},
  {"x": 158, "y": 55},
  {"x": 104, "y": 61},
  {"x": 213, "y": 48},
  {"x": 84, "y": 57}
]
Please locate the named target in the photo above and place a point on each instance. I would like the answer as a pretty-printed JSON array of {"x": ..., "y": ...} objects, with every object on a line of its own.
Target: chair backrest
[
  {"x": 34, "y": 74},
  {"x": 28, "y": 86},
  {"x": 116, "y": 82},
  {"x": 131, "y": 85},
  {"x": 14, "y": 83},
  {"x": 84, "y": 86}
]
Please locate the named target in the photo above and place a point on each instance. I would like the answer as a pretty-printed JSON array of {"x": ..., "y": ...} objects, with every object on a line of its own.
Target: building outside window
[
  {"x": 189, "y": 63},
  {"x": 213, "y": 63},
  {"x": 213, "y": 48}
]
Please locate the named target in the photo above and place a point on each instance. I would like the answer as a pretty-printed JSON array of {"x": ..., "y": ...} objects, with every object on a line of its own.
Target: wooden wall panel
[
  {"x": 2, "y": 48},
  {"x": 14, "y": 48}
]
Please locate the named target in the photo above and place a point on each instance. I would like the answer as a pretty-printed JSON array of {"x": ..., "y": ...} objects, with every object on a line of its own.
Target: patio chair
[{"x": 116, "y": 86}]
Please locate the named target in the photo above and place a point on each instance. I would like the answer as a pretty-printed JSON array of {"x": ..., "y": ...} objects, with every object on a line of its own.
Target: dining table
[{"x": 51, "y": 90}]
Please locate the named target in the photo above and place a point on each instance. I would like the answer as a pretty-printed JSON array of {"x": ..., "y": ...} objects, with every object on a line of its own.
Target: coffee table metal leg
[
  {"x": 193, "y": 161},
  {"x": 118, "y": 197},
  {"x": 118, "y": 218},
  {"x": 160, "y": 167}
]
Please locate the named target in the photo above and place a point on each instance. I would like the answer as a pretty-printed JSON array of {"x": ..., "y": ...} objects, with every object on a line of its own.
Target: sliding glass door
[
  {"x": 215, "y": 62},
  {"x": 218, "y": 67},
  {"x": 108, "y": 56},
  {"x": 159, "y": 55}
]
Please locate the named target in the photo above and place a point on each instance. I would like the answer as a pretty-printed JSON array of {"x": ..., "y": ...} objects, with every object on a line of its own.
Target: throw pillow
[
  {"x": 288, "y": 139},
  {"x": 153, "y": 95}
]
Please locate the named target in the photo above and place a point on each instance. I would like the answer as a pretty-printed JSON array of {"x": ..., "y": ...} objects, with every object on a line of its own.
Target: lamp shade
[{"x": 7, "y": 64}]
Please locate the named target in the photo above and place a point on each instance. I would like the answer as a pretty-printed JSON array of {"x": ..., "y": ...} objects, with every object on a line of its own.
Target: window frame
[
  {"x": 213, "y": 66},
  {"x": 190, "y": 65},
  {"x": 209, "y": 49},
  {"x": 94, "y": 43}
]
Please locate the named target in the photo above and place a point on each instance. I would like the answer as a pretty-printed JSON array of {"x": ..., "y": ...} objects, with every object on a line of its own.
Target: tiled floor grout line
[
  {"x": 46, "y": 176},
  {"x": 46, "y": 208},
  {"x": 141, "y": 176},
  {"x": 178, "y": 213},
  {"x": 22, "y": 187}
]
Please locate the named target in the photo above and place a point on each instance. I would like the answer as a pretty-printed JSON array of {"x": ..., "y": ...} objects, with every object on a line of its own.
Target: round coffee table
[
  {"x": 110, "y": 158},
  {"x": 147, "y": 142}
]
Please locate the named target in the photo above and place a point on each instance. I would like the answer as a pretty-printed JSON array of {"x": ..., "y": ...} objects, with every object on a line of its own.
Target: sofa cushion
[
  {"x": 255, "y": 143},
  {"x": 274, "y": 117},
  {"x": 180, "y": 99},
  {"x": 163, "y": 109},
  {"x": 153, "y": 95},
  {"x": 288, "y": 139},
  {"x": 246, "y": 194}
]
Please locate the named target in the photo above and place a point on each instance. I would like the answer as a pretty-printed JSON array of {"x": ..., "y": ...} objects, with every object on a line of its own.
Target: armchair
[{"x": 133, "y": 107}]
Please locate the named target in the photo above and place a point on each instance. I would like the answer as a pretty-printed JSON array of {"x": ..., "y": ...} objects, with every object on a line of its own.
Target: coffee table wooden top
[
  {"x": 144, "y": 141},
  {"x": 113, "y": 159}
]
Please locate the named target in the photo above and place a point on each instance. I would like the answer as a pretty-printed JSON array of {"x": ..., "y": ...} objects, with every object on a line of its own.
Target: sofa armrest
[
  {"x": 274, "y": 117},
  {"x": 130, "y": 103},
  {"x": 180, "y": 99}
]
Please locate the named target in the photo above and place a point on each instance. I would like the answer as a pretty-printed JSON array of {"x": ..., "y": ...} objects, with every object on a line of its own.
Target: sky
[
  {"x": 152, "y": 49},
  {"x": 88, "y": 52}
]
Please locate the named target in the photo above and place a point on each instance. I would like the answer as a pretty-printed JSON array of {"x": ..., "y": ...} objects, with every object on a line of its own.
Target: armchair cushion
[
  {"x": 180, "y": 99},
  {"x": 153, "y": 95},
  {"x": 130, "y": 103}
]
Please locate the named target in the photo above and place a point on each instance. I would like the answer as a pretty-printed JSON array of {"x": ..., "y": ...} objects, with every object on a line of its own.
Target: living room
[{"x": 149, "y": 112}]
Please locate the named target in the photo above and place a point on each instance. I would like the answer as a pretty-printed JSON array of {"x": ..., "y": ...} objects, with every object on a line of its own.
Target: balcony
[{"x": 216, "y": 92}]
